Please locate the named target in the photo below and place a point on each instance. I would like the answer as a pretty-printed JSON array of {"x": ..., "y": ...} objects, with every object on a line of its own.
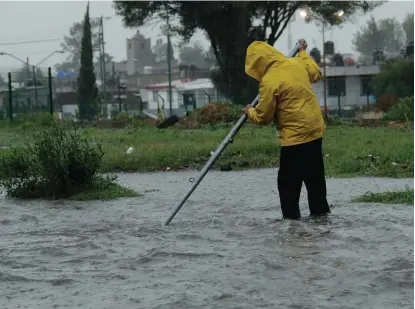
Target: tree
[
  {"x": 386, "y": 34},
  {"x": 72, "y": 44},
  {"x": 230, "y": 28},
  {"x": 193, "y": 54},
  {"x": 160, "y": 51},
  {"x": 87, "y": 89},
  {"x": 408, "y": 27},
  {"x": 25, "y": 76}
]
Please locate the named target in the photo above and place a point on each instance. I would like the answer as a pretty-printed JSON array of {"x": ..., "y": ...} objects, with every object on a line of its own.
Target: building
[
  {"x": 186, "y": 95},
  {"x": 139, "y": 53},
  {"x": 350, "y": 84}
]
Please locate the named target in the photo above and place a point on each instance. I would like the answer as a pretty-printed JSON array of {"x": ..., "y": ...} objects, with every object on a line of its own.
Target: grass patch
[
  {"x": 391, "y": 197},
  {"x": 111, "y": 192},
  {"x": 56, "y": 163},
  {"x": 350, "y": 151}
]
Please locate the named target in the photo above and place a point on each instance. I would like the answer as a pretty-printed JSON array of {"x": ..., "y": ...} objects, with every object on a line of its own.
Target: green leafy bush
[
  {"x": 396, "y": 78},
  {"x": 57, "y": 164},
  {"x": 403, "y": 110}
]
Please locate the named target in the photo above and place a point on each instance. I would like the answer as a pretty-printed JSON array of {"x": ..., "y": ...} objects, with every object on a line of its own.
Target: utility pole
[
  {"x": 102, "y": 58},
  {"x": 27, "y": 69},
  {"x": 324, "y": 73},
  {"x": 169, "y": 65},
  {"x": 35, "y": 84}
]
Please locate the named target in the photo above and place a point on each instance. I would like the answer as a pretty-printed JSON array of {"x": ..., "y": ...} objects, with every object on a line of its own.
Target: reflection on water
[{"x": 226, "y": 248}]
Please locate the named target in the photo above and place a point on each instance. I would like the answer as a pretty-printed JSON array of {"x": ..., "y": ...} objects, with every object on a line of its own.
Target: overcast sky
[{"x": 43, "y": 20}]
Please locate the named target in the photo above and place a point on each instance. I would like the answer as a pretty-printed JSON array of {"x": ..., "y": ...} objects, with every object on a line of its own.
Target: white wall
[
  {"x": 154, "y": 98},
  {"x": 351, "y": 98}
]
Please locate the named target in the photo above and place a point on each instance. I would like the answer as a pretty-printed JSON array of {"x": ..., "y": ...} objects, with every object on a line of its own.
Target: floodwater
[{"x": 226, "y": 248}]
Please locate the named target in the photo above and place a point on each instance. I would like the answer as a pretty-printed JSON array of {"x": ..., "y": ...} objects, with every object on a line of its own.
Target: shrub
[
  {"x": 403, "y": 110},
  {"x": 211, "y": 114},
  {"x": 34, "y": 120},
  {"x": 396, "y": 78},
  {"x": 57, "y": 164}
]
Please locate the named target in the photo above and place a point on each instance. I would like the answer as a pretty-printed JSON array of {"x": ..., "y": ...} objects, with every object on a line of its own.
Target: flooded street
[{"x": 224, "y": 249}]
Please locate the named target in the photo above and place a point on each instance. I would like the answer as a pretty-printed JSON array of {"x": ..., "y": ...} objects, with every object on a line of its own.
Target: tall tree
[
  {"x": 386, "y": 34},
  {"x": 408, "y": 27},
  {"x": 230, "y": 27},
  {"x": 72, "y": 44},
  {"x": 87, "y": 89}
]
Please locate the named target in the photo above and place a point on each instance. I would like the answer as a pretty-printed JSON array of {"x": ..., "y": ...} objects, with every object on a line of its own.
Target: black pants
[{"x": 298, "y": 163}]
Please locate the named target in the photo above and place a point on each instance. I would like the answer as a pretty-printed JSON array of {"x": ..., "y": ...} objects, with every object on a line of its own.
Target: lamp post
[
  {"x": 26, "y": 63},
  {"x": 307, "y": 16}
]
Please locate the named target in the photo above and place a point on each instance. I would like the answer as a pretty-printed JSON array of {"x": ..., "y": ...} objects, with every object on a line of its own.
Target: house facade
[{"x": 348, "y": 85}]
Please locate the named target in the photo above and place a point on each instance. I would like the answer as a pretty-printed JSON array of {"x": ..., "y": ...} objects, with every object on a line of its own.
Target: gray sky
[{"x": 42, "y": 20}]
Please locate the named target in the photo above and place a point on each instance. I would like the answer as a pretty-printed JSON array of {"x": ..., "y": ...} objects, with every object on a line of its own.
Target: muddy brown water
[{"x": 226, "y": 248}]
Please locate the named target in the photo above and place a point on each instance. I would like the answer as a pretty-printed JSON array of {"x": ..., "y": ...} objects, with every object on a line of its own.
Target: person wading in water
[{"x": 288, "y": 99}]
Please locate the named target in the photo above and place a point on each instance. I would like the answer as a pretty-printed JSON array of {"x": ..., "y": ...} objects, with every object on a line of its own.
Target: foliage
[
  {"x": 30, "y": 121},
  {"x": 57, "y": 164},
  {"x": 72, "y": 45},
  {"x": 160, "y": 51},
  {"x": 87, "y": 89},
  {"x": 231, "y": 27},
  {"x": 390, "y": 197},
  {"x": 408, "y": 27},
  {"x": 402, "y": 111},
  {"x": 196, "y": 54},
  {"x": 210, "y": 114},
  {"x": 386, "y": 34},
  {"x": 25, "y": 76},
  {"x": 396, "y": 78}
]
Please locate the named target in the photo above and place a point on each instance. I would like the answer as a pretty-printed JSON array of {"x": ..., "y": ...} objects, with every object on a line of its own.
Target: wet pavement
[{"x": 226, "y": 248}]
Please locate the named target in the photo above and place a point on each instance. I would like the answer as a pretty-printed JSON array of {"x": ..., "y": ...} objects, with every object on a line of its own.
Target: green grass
[
  {"x": 346, "y": 149},
  {"x": 111, "y": 192},
  {"x": 391, "y": 197}
]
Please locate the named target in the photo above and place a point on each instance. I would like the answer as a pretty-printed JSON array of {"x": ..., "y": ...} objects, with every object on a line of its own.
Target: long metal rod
[{"x": 228, "y": 140}]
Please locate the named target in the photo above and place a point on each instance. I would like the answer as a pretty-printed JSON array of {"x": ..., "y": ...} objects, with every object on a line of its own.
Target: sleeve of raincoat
[
  {"x": 314, "y": 72},
  {"x": 264, "y": 112}
]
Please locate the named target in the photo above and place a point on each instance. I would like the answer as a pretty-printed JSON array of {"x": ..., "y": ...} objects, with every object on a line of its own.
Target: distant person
[{"x": 288, "y": 99}]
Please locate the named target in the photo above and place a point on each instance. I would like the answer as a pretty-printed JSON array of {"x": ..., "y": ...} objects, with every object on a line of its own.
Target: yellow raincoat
[{"x": 286, "y": 94}]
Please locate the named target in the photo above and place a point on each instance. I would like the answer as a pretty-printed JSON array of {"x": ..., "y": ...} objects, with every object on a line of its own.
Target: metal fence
[{"x": 26, "y": 93}]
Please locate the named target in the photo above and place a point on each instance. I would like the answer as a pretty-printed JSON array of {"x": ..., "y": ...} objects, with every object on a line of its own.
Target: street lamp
[
  {"x": 33, "y": 66},
  {"x": 307, "y": 16}
]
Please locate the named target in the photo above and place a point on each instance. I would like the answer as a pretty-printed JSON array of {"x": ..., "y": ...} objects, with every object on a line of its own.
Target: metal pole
[
  {"x": 119, "y": 94},
  {"x": 103, "y": 59},
  {"x": 169, "y": 66},
  {"x": 228, "y": 140},
  {"x": 35, "y": 82},
  {"x": 324, "y": 74},
  {"x": 9, "y": 76},
  {"x": 50, "y": 90},
  {"x": 27, "y": 69}
]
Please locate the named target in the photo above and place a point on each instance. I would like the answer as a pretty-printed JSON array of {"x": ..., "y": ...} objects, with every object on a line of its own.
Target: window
[
  {"x": 142, "y": 45},
  {"x": 336, "y": 86},
  {"x": 366, "y": 88},
  {"x": 129, "y": 45},
  {"x": 155, "y": 97}
]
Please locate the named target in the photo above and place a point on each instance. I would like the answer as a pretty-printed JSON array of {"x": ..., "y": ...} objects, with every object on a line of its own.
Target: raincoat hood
[{"x": 259, "y": 57}]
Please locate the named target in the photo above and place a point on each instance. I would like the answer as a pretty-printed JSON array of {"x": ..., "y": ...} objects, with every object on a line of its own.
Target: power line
[{"x": 29, "y": 42}]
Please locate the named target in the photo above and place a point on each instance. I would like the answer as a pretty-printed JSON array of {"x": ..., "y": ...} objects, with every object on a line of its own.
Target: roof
[
  {"x": 352, "y": 70},
  {"x": 201, "y": 83},
  {"x": 164, "y": 85}
]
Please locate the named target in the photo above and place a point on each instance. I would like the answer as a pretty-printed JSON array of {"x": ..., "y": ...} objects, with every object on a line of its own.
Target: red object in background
[{"x": 349, "y": 61}]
